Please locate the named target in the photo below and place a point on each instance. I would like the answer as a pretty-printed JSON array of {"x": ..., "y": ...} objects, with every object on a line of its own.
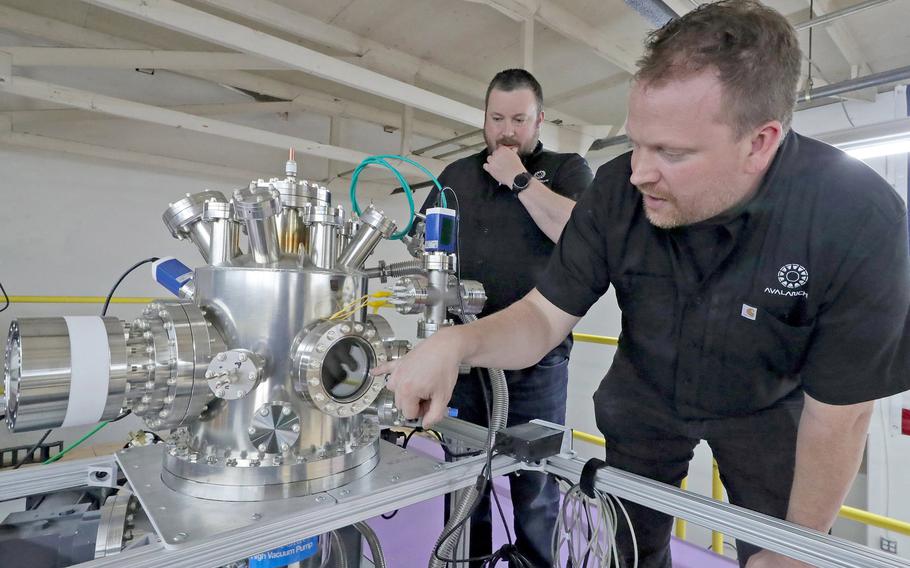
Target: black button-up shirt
[
  {"x": 500, "y": 245},
  {"x": 804, "y": 286}
]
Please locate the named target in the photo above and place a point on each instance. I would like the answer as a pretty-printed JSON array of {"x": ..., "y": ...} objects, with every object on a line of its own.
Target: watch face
[{"x": 521, "y": 181}]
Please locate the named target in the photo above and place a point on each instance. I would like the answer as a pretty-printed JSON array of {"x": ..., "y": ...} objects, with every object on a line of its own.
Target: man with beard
[
  {"x": 514, "y": 199},
  {"x": 763, "y": 278}
]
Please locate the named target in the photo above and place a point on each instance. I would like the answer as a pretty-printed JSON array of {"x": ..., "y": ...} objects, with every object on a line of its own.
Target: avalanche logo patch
[{"x": 792, "y": 276}]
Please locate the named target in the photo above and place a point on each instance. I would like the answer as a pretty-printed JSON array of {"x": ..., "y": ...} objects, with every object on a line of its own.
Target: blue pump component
[
  {"x": 172, "y": 274},
  {"x": 441, "y": 230}
]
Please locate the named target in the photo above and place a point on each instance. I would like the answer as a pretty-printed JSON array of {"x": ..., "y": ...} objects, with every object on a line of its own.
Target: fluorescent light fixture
[
  {"x": 900, "y": 146},
  {"x": 873, "y": 140}
]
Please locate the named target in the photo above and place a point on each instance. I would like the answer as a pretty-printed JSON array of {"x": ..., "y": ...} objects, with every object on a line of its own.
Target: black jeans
[
  {"x": 644, "y": 435},
  {"x": 535, "y": 392}
]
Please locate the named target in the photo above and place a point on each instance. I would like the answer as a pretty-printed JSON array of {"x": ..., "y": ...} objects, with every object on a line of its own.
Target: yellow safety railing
[
  {"x": 375, "y": 305},
  {"x": 589, "y": 338},
  {"x": 717, "y": 492},
  {"x": 75, "y": 300}
]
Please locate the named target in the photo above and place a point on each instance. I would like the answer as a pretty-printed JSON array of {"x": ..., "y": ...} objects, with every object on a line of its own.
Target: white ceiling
[{"x": 458, "y": 45}]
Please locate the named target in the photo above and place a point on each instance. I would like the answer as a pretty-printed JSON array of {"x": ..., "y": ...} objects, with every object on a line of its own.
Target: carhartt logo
[
  {"x": 749, "y": 312},
  {"x": 792, "y": 276}
]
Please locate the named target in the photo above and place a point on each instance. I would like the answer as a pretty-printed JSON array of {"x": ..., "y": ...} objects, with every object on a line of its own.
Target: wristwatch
[{"x": 521, "y": 182}]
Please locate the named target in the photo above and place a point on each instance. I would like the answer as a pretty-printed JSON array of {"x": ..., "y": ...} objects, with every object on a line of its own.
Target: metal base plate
[{"x": 180, "y": 519}]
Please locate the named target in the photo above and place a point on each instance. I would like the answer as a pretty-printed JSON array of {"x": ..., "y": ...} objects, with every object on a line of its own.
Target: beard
[
  {"x": 673, "y": 214},
  {"x": 524, "y": 149}
]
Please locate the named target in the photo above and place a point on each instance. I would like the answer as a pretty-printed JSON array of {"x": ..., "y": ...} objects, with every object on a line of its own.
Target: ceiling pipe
[
  {"x": 838, "y": 14},
  {"x": 834, "y": 89},
  {"x": 656, "y": 12}
]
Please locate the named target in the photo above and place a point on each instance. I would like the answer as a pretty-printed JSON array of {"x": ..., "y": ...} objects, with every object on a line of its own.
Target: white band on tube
[{"x": 90, "y": 368}]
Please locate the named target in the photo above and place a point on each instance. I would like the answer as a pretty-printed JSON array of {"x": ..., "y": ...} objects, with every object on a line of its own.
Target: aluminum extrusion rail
[
  {"x": 52, "y": 477},
  {"x": 761, "y": 530},
  {"x": 239, "y": 544}
]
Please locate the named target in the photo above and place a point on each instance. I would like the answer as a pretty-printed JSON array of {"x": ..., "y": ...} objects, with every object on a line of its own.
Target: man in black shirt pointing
[{"x": 763, "y": 278}]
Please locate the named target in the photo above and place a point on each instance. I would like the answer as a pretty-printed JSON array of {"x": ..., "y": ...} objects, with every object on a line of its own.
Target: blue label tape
[{"x": 289, "y": 554}]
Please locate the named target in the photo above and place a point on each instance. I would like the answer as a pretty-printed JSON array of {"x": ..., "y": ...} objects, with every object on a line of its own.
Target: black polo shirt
[
  {"x": 805, "y": 286},
  {"x": 500, "y": 244}
]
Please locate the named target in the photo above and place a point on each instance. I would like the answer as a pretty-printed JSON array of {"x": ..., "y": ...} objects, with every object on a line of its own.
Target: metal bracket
[{"x": 103, "y": 475}]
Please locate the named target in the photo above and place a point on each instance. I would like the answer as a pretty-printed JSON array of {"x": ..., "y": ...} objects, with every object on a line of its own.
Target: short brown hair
[
  {"x": 513, "y": 79},
  {"x": 753, "y": 48}
]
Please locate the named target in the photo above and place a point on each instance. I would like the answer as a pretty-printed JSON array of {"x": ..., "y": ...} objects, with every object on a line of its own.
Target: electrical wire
[
  {"x": 5, "y": 298},
  {"x": 85, "y": 437},
  {"x": 590, "y": 537},
  {"x": 110, "y": 295},
  {"x": 31, "y": 450},
  {"x": 508, "y": 552}
]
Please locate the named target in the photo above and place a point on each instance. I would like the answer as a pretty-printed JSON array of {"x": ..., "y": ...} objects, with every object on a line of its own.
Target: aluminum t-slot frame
[
  {"x": 803, "y": 544},
  {"x": 797, "y": 542},
  {"x": 239, "y": 544},
  {"x": 38, "y": 479}
]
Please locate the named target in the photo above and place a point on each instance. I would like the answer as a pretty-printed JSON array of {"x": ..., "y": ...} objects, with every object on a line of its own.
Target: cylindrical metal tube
[
  {"x": 224, "y": 242},
  {"x": 263, "y": 235},
  {"x": 437, "y": 309},
  {"x": 321, "y": 245},
  {"x": 374, "y": 226},
  {"x": 322, "y": 236},
  {"x": 64, "y": 371},
  {"x": 257, "y": 207},
  {"x": 295, "y": 197},
  {"x": 184, "y": 217},
  {"x": 404, "y": 268}
]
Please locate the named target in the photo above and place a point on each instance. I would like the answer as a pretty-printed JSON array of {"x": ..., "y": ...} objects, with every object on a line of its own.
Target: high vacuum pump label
[{"x": 288, "y": 554}]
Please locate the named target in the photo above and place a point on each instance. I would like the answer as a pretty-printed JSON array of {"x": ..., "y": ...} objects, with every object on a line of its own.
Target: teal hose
[{"x": 380, "y": 160}]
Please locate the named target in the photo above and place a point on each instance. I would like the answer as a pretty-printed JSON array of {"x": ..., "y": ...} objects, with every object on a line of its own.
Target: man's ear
[{"x": 764, "y": 141}]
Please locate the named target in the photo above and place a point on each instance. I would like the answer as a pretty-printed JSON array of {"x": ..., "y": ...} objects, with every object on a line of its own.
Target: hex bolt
[
  {"x": 285, "y": 411},
  {"x": 251, "y": 430},
  {"x": 264, "y": 411},
  {"x": 296, "y": 427},
  {"x": 241, "y": 357}
]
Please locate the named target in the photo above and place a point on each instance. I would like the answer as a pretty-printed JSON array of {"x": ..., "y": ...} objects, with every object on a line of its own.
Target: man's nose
[{"x": 644, "y": 170}]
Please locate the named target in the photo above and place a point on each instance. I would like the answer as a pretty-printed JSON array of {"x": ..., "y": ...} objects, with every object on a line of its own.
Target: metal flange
[
  {"x": 333, "y": 362},
  {"x": 234, "y": 373}
]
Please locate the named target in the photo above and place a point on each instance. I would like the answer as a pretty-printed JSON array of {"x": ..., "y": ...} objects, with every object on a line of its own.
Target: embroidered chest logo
[
  {"x": 541, "y": 176},
  {"x": 792, "y": 277}
]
